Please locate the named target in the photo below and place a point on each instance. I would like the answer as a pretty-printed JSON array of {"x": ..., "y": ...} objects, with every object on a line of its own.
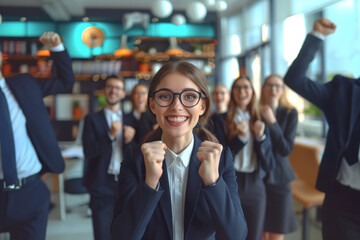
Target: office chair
[{"x": 73, "y": 184}]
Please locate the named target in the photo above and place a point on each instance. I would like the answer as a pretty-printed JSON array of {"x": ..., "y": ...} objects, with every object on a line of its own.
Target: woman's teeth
[{"x": 176, "y": 119}]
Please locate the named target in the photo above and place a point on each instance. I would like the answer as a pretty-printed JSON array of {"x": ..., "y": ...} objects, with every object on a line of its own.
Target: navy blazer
[
  {"x": 210, "y": 212},
  {"x": 263, "y": 148},
  {"x": 338, "y": 99},
  {"x": 97, "y": 147},
  {"x": 282, "y": 135},
  {"x": 29, "y": 93}
]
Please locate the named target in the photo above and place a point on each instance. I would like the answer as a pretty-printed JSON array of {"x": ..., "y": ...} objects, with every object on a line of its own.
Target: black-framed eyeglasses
[
  {"x": 188, "y": 98},
  {"x": 111, "y": 87}
]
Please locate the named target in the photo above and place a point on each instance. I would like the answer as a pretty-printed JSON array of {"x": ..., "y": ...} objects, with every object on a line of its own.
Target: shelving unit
[{"x": 148, "y": 56}]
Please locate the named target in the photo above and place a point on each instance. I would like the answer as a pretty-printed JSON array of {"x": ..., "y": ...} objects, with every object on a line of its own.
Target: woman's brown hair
[
  {"x": 132, "y": 94},
  {"x": 198, "y": 77},
  {"x": 252, "y": 107},
  {"x": 283, "y": 101}
]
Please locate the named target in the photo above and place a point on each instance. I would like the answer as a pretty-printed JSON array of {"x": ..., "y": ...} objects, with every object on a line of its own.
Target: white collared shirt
[
  {"x": 117, "y": 154},
  {"x": 245, "y": 159},
  {"x": 178, "y": 171},
  {"x": 27, "y": 161}
]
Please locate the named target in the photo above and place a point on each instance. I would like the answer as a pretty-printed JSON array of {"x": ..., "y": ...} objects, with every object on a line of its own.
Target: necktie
[
  {"x": 352, "y": 151},
  {"x": 7, "y": 143}
]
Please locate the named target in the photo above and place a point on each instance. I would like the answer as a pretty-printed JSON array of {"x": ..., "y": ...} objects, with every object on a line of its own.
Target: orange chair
[{"x": 305, "y": 161}]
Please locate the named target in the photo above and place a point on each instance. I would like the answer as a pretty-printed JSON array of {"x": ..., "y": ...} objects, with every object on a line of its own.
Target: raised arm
[
  {"x": 295, "y": 77},
  {"x": 62, "y": 78}
]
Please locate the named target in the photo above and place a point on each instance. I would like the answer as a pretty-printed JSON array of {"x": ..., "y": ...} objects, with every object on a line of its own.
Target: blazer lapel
[
  {"x": 165, "y": 200},
  {"x": 193, "y": 187},
  {"x": 102, "y": 123},
  {"x": 355, "y": 109}
]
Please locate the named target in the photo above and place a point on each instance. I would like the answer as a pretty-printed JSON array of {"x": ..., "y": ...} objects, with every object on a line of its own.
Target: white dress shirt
[
  {"x": 178, "y": 170},
  {"x": 27, "y": 161},
  {"x": 117, "y": 154},
  {"x": 245, "y": 160}
]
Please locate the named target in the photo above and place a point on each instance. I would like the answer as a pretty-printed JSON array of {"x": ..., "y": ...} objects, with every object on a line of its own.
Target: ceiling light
[
  {"x": 196, "y": 11},
  {"x": 43, "y": 52},
  {"x": 162, "y": 8},
  {"x": 174, "y": 49},
  {"x": 178, "y": 19},
  {"x": 220, "y": 5},
  {"x": 123, "y": 51},
  {"x": 56, "y": 10}
]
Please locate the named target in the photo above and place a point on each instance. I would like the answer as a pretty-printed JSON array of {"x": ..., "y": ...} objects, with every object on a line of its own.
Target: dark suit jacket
[
  {"x": 143, "y": 213},
  {"x": 339, "y": 100},
  {"x": 143, "y": 126},
  {"x": 29, "y": 93},
  {"x": 97, "y": 148},
  {"x": 263, "y": 149},
  {"x": 282, "y": 135}
]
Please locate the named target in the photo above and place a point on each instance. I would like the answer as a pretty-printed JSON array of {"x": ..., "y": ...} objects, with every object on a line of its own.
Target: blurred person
[
  {"x": 243, "y": 131},
  {"x": 138, "y": 99},
  {"x": 28, "y": 144},
  {"x": 142, "y": 120},
  {"x": 282, "y": 120},
  {"x": 106, "y": 134},
  {"x": 221, "y": 98},
  {"x": 339, "y": 172},
  {"x": 180, "y": 184}
]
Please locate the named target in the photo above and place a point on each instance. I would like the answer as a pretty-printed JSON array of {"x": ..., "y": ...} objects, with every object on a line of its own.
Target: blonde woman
[{"x": 282, "y": 120}]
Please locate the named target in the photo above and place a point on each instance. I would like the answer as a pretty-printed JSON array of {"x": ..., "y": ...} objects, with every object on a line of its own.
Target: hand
[
  {"x": 209, "y": 155},
  {"x": 259, "y": 128},
  {"x": 324, "y": 26},
  {"x": 115, "y": 128},
  {"x": 154, "y": 155},
  {"x": 50, "y": 39},
  {"x": 268, "y": 114},
  {"x": 129, "y": 133},
  {"x": 242, "y": 128}
]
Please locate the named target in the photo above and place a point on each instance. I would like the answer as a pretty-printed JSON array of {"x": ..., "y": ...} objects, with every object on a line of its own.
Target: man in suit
[
  {"x": 28, "y": 145},
  {"x": 106, "y": 134},
  {"x": 339, "y": 173}
]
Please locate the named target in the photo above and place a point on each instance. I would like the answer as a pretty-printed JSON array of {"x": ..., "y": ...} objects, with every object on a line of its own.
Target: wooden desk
[{"x": 305, "y": 160}]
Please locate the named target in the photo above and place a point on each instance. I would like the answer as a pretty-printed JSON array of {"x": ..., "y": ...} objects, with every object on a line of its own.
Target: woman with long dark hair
[{"x": 243, "y": 131}]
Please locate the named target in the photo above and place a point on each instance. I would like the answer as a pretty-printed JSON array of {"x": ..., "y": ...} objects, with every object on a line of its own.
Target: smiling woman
[{"x": 178, "y": 152}]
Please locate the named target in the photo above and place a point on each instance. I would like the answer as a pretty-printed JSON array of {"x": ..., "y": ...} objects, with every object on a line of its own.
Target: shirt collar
[
  {"x": 2, "y": 82},
  {"x": 242, "y": 115},
  {"x": 184, "y": 156},
  {"x": 114, "y": 114}
]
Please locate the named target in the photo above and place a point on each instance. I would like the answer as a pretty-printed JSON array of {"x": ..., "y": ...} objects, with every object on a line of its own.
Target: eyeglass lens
[{"x": 188, "y": 98}]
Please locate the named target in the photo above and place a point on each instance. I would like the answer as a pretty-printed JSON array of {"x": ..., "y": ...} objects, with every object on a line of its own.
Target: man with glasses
[{"x": 105, "y": 136}]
